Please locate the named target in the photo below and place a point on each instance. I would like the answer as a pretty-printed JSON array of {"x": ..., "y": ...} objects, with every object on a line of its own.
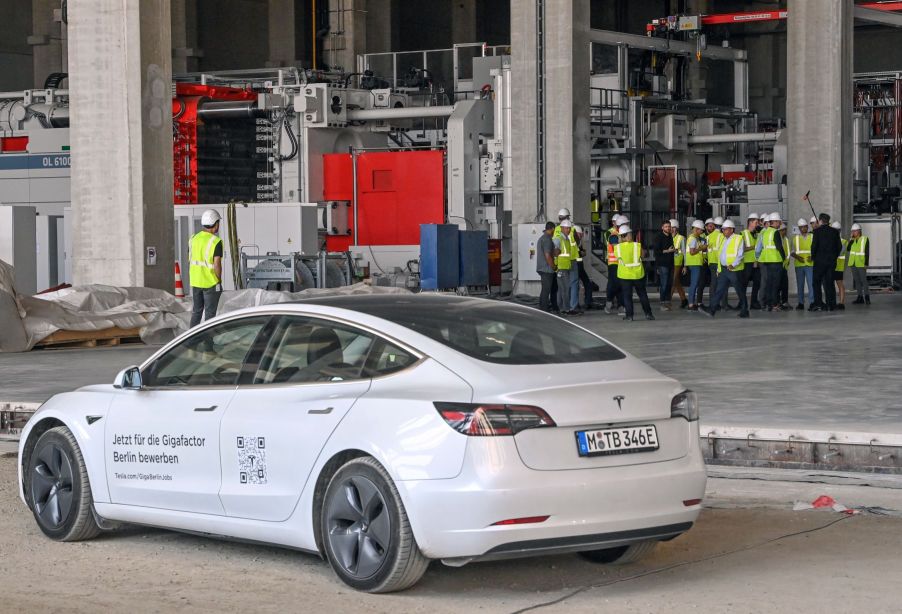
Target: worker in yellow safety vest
[
  {"x": 770, "y": 253},
  {"x": 613, "y": 291},
  {"x": 751, "y": 273},
  {"x": 564, "y": 262},
  {"x": 857, "y": 260},
  {"x": 695, "y": 262},
  {"x": 730, "y": 265},
  {"x": 840, "y": 270},
  {"x": 804, "y": 265},
  {"x": 205, "y": 274},
  {"x": 631, "y": 273},
  {"x": 679, "y": 246}
]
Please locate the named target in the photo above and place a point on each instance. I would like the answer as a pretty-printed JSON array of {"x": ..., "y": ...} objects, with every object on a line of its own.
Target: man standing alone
[
  {"x": 545, "y": 267},
  {"x": 825, "y": 249},
  {"x": 664, "y": 263},
  {"x": 205, "y": 274}
]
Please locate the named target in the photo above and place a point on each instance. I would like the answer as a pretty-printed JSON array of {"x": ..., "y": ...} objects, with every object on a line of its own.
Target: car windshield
[{"x": 496, "y": 332}]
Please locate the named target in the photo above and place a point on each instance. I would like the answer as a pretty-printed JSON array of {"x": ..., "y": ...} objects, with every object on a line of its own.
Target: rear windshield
[{"x": 501, "y": 333}]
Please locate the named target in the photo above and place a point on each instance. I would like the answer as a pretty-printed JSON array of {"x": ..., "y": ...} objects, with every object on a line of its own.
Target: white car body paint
[{"x": 454, "y": 487}]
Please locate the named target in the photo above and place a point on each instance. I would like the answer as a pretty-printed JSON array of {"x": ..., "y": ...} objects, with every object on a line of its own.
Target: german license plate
[{"x": 622, "y": 440}]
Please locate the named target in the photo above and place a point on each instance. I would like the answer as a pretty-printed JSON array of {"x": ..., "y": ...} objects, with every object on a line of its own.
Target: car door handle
[
  {"x": 211, "y": 408},
  {"x": 327, "y": 410}
]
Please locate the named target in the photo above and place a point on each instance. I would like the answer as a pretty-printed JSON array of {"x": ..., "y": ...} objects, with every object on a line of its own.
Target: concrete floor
[
  {"x": 835, "y": 371},
  {"x": 748, "y": 553}
]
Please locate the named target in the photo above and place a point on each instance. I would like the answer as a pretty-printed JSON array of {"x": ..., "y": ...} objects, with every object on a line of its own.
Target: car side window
[
  {"x": 386, "y": 358},
  {"x": 306, "y": 350},
  {"x": 212, "y": 357}
]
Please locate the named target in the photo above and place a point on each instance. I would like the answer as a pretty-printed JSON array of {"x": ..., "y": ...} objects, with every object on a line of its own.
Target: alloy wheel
[
  {"x": 51, "y": 486},
  {"x": 359, "y": 526}
]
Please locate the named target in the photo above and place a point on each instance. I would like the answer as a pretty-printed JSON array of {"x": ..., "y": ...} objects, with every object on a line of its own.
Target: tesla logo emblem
[{"x": 619, "y": 400}]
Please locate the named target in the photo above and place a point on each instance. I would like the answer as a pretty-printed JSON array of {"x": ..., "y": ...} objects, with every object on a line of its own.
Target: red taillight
[
  {"x": 691, "y": 502},
  {"x": 480, "y": 420},
  {"x": 526, "y": 520}
]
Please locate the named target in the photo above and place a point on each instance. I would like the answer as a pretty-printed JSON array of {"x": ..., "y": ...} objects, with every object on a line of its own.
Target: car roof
[{"x": 379, "y": 302}]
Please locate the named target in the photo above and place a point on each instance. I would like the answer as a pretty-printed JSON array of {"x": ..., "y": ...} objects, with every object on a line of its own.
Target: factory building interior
[{"x": 396, "y": 147}]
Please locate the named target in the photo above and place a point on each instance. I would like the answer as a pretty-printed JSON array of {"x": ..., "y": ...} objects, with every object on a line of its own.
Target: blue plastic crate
[
  {"x": 474, "y": 258},
  {"x": 439, "y": 256}
]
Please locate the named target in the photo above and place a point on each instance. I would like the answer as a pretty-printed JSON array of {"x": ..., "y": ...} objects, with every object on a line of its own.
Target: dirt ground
[{"x": 734, "y": 560}]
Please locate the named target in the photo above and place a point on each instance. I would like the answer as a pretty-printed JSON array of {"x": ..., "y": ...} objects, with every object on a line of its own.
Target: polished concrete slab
[{"x": 834, "y": 372}]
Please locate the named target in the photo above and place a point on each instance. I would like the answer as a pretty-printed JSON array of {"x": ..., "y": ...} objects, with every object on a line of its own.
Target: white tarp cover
[{"x": 159, "y": 316}]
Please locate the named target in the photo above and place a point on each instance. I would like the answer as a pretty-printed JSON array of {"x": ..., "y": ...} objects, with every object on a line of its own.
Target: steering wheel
[{"x": 228, "y": 367}]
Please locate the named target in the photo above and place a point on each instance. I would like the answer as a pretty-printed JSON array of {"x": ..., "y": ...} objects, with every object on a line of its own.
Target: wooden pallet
[{"x": 90, "y": 338}]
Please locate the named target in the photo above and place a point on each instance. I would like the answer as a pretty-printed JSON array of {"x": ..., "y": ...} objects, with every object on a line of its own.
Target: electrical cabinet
[
  {"x": 527, "y": 253},
  {"x": 18, "y": 246}
]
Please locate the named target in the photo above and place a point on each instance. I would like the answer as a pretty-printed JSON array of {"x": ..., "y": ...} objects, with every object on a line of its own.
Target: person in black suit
[{"x": 826, "y": 247}]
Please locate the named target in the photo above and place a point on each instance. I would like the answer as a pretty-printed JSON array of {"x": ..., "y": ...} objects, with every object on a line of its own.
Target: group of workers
[{"x": 715, "y": 255}]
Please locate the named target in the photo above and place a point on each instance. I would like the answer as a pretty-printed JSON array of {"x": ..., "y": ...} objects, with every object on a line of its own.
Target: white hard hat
[
  {"x": 566, "y": 223},
  {"x": 775, "y": 215},
  {"x": 563, "y": 213},
  {"x": 625, "y": 229},
  {"x": 836, "y": 225},
  {"x": 577, "y": 229},
  {"x": 674, "y": 223},
  {"x": 856, "y": 226},
  {"x": 752, "y": 216},
  {"x": 813, "y": 220},
  {"x": 729, "y": 224},
  {"x": 709, "y": 221},
  {"x": 621, "y": 219},
  {"x": 210, "y": 217},
  {"x": 698, "y": 224},
  {"x": 718, "y": 221},
  {"x": 801, "y": 223}
]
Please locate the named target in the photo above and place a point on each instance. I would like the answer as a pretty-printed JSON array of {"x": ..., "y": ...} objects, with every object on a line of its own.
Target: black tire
[
  {"x": 622, "y": 555},
  {"x": 58, "y": 488},
  {"x": 366, "y": 535}
]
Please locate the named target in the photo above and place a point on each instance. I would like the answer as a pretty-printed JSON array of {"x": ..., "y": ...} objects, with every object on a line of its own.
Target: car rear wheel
[
  {"x": 59, "y": 490},
  {"x": 622, "y": 555},
  {"x": 366, "y": 536}
]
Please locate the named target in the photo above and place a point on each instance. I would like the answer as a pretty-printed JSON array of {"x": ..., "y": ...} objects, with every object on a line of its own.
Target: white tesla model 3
[{"x": 382, "y": 432}]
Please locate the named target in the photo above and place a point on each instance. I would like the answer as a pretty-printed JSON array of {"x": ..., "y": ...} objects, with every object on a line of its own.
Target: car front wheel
[
  {"x": 622, "y": 555},
  {"x": 59, "y": 490},
  {"x": 366, "y": 535}
]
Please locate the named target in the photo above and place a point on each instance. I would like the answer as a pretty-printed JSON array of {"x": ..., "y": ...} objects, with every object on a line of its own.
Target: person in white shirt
[{"x": 730, "y": 265}]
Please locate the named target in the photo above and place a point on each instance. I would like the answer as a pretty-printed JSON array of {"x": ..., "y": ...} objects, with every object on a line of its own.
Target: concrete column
[
  {"x": 382, "y": 31},
  {"x": 463, "y": 21},
  {"x": 121, "y": 139},
  {"x": 347, "y": 37},
  {"x": 287, "y": 29},
  {"x": 185, "y": 53},
  {"x": 562, "y": 138},
  {"x": 566, "y": 109},
  {"x": 524, "y": 122},
  {"x": 819, "y": 107},
  {"x": 47, "y": 40}
]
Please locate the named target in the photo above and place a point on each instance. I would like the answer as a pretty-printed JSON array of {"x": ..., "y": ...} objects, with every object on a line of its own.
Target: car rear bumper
[{"x": 587, "y": 509}]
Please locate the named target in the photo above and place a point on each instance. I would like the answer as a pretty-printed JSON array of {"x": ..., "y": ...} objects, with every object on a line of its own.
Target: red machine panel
[
  {"x": 184, "y": 143},
  {"x": 396, "y": 192}
]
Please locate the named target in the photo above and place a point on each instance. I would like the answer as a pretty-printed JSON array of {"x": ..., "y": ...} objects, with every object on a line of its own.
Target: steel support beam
[
  {"x": 883, "y": 18},
  {"x": 637, "y": 41}
]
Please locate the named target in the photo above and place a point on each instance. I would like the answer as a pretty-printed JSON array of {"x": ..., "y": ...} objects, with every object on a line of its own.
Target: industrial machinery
[{"x": 324, "y": 176}]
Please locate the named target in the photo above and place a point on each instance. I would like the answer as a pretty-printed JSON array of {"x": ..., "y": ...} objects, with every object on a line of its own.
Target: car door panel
[
  {"x": 162, "y": 445},
  {"x": 309, "y": 376},
  {"x": 161, "y": 452},
  {"x": 271, "y": 438}
]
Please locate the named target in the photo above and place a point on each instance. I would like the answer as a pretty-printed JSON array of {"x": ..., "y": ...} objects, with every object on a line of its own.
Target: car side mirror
[{"x": 129, "y": 379}]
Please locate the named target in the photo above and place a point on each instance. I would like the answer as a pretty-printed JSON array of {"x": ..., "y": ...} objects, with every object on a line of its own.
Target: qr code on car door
[{"x": 252, "y": 460}]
